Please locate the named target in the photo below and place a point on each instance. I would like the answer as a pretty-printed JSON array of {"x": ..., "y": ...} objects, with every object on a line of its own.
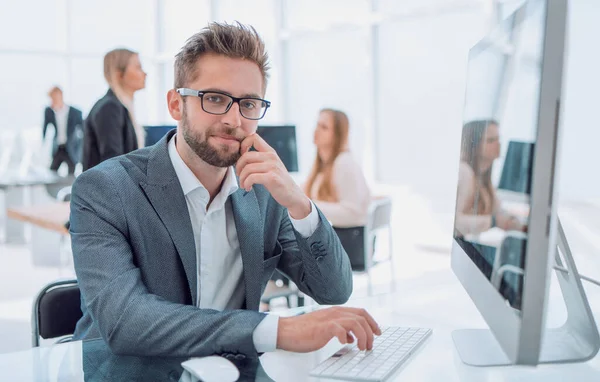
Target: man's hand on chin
[{"x": 264, "y": 166}]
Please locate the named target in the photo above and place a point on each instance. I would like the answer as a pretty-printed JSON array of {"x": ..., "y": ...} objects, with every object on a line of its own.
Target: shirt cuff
[
  {"x": 307, "y": 226},
  {"x": 265, "y": 334}
]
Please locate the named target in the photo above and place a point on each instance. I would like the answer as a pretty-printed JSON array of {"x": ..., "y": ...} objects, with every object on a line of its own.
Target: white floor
[{"x": 421, "y": 245}]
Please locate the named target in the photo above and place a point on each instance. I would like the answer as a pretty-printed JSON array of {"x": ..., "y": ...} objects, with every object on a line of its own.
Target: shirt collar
[
  {"x": 62, "y": 110},
  {"x": 188, "y": 180}
]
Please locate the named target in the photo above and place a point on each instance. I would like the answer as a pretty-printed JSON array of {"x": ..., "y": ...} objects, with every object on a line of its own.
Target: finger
[
  {"x": 251, "y": 157},
  {"x": 366, "y": 327},
  {"x": 256, "y": 168},
  {"x": 338, "y": 331},
  {"x": 353, "y": 325},
  {"x": 266, "y": 179},
  {"x": 255, "y": 140},
  {"x": 368, "y": 331},
  {"x": 363, "y": 313}
]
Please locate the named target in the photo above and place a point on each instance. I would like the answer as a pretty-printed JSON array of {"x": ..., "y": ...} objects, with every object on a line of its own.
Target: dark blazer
[
  {"x": 135, "y": 259},
  {"x": 108, "y": 132},
  {"x": 74, "y": 132}
]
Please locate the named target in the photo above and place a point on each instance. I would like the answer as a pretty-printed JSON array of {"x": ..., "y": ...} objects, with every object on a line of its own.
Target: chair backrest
[
  {"x": 353, "y": 241},
  {"x": 56, "y": 310},
  {"x": 380, "y": 214}
]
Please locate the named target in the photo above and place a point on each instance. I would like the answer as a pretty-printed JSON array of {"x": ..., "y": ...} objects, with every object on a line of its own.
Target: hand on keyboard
[{"x": 312, "y": 331}]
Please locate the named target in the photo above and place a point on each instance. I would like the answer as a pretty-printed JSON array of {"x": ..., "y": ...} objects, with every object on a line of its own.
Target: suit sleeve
[
  {"x": 108, "y": 125},
  {"x": 131, "y": 320},
  {"x": 317, "y": 264}
]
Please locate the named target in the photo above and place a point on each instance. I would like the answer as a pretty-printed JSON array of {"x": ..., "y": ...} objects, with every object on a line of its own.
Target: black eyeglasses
[{"x": 218, "y": 103}]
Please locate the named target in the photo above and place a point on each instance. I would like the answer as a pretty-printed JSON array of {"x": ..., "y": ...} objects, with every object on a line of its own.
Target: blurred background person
[
  {"x": 111, "y": 128},
  {"x": 67, "y": 123},
  {"x": 336, "y": 183},
  {"x": 478, "y": 208}
]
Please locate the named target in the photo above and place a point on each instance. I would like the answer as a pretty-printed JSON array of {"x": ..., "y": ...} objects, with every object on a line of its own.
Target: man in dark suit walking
[{"x": 67, "y": 122}]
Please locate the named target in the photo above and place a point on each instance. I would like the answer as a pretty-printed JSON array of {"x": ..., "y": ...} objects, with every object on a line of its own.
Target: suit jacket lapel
[
  {"x": 249, "y": 227},
  {"x": 70, "y": 125},
  {"x": 166, "y": 196}
]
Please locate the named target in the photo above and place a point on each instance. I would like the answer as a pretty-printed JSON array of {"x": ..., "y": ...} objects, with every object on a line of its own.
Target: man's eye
[
  {"x": 249, "y": 104},
  {"x": 214, "y": 99}
]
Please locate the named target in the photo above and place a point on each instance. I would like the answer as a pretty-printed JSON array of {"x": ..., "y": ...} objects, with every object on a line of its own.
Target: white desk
[{"x": 434, "y": 300}]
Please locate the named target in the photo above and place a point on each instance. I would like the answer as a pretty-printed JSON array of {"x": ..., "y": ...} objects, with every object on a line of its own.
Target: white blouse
[{"x": 353, "y": 193}]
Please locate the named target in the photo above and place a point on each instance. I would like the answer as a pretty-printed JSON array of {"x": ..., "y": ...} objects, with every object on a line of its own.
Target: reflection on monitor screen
[{"x": 501, "y": 106}]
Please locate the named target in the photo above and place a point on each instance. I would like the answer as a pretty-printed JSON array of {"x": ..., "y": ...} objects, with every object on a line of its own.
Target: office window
[
  {"x": 101, "y": 25},
  {"x": 180, "y": 20},
  {"x": 425, "y": 7},
  {"x": 261, "y": 14},
  {"x": 88, "y": 83},
  {"x": 23, "y": 94},
  {"x": 318, "y": 14},
  {"x": 33, "y": 25}
]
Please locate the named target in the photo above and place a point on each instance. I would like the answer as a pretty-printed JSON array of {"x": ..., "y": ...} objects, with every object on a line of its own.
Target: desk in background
[
  {"x": 49, "y": 231},
  {"x": 16, "y": 190}
]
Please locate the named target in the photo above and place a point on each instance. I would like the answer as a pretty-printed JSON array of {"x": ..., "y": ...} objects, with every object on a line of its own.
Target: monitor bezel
[{"x": 520, "y": 336}]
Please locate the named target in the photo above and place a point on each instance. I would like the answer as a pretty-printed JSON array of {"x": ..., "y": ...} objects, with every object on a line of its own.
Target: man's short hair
[
  {"x": 53, "y": 90},
  {"x": 230, "y": 40}
]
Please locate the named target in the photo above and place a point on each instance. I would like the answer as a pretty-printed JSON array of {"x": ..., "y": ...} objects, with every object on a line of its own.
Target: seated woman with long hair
[
  {"x": 478, "y": 208},
  {"x": 336, "y": 183}
]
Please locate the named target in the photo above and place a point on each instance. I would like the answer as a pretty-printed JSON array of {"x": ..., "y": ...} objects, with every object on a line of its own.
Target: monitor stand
[{"x": 576, "y": 341}]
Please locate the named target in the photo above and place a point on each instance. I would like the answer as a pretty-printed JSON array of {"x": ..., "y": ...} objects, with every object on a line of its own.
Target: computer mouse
[{"x": 212, "y": 369}]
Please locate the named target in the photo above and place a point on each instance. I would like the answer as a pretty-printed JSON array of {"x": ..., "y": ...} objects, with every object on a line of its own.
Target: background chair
[
  {"x": 285, "y": 289},
  {"x": 359, "y": 242},
  {"x": 56, "y": 311}
]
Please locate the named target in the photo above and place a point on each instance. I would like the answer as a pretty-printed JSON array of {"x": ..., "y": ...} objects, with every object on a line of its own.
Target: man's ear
[{"x": 175, "y": 104}]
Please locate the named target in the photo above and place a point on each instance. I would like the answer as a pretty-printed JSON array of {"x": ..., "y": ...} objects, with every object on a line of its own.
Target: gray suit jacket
[{"x": 135, "y": 259}]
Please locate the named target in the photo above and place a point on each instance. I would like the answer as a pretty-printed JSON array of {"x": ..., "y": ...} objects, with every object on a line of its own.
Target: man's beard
[{"x": 204, "y": 150}]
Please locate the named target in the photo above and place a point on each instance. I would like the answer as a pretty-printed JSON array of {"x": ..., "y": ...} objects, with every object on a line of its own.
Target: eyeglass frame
[{"x": 200, "y": 94}]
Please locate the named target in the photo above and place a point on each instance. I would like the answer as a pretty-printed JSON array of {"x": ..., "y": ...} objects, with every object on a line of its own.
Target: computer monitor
[
  {"x": 155, "y": 133},
  {"x": 283, "y": 140},
  {"x": 513, "y": 92}
]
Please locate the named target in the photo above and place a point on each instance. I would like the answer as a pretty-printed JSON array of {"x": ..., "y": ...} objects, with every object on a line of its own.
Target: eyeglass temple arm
[{"x": 187, "y": 92}]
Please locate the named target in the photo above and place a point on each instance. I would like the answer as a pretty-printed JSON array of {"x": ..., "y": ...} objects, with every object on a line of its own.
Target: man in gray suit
[{"x": 173, "y": 245}]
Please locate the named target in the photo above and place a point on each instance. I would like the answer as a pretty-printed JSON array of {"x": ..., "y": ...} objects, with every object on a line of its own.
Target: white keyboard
[{"x": 390, "y": 350}]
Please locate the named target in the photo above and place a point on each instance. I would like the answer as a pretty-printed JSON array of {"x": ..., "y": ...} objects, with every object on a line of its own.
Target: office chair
[
  {"x": 359, "y": 242},
  {"x": 288, "y": 290},
  {"x": 56, "y": 311},
  {"x": 509, "y": 259}
]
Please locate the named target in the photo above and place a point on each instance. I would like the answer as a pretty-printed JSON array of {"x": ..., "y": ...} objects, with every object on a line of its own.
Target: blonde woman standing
[
  {"x": 336, "y": 183},
  {"x": 111, "y": 128}
]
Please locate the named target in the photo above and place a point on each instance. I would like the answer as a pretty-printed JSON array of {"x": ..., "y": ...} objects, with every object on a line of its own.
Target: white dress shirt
[
  {"x": 353, "y": 193},
  {"x": 61, "y": 116},
  {"x": 220, "y": 283}
]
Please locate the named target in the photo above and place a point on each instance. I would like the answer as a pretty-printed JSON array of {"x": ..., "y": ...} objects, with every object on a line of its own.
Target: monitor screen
[
  {"x": 516, "y": 170},
  {"x": 155, "y": 133},
  {"x": 283, "y": 140},
  {"x": 501, "y": 106}
]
